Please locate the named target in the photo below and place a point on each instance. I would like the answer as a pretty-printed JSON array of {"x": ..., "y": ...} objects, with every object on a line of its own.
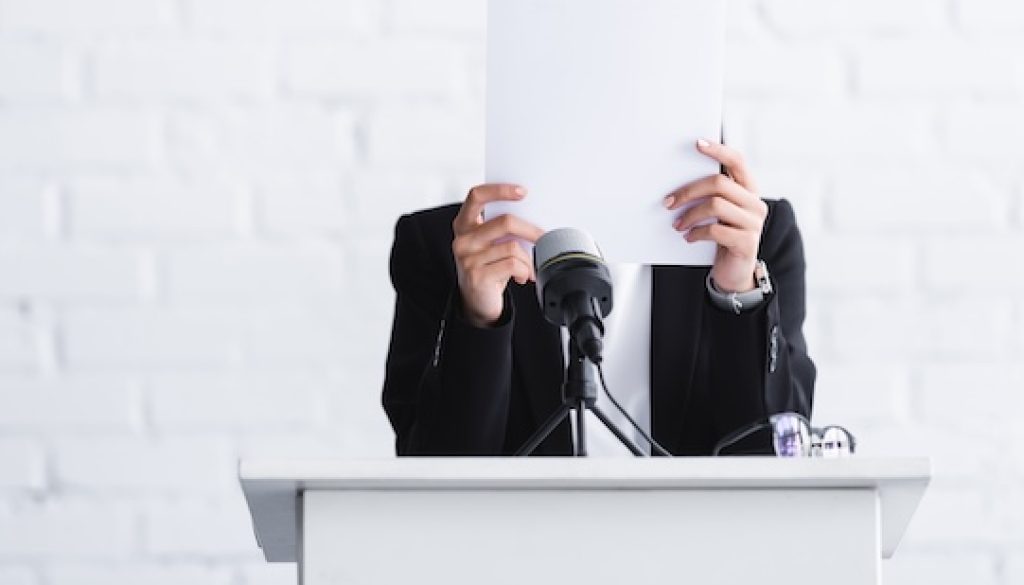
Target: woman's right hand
[{"x": 487, "y": 254}]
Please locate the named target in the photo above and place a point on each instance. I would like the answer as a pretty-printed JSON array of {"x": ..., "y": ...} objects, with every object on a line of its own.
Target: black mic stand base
[{"x": 579, "y": 394}]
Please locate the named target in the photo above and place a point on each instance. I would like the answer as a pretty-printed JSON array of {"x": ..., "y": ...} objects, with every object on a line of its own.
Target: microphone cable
[
  {"x": 737, "y": 436},
  {"x": 650, "y": 440}
]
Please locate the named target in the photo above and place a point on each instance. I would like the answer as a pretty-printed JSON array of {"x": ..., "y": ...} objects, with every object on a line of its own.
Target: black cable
[
  {"x": 654, "y": 444},
  {"x": 737, "y": 436}
]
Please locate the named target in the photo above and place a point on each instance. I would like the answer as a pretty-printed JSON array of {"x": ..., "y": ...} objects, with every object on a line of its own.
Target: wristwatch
[{"x": 739, "y": 302}]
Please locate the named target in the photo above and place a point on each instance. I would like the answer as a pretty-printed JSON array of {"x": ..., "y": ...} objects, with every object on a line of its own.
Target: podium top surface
[
  {"x": 584, "y": 473},
  {"x": 272, "y": 487}
]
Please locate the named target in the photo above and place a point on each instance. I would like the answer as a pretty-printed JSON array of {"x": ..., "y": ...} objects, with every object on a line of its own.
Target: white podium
[{"x": 465, "y": 521}]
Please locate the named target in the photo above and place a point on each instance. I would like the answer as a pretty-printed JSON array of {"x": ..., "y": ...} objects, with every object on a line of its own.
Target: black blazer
[{"x": 455, "y": 389}]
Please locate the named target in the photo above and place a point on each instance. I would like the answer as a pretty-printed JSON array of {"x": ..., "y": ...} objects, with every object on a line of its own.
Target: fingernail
[
  {"x": 669, "y": 201},
  {"x": 701, "y": 143},
  {"x": 520, "y": 191}
]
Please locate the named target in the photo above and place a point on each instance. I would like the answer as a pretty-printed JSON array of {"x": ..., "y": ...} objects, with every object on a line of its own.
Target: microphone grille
[{"x": 563, "y": 241}]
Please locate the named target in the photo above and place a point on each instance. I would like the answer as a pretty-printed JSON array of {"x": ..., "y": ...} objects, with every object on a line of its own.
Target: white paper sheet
[{"x": 595, "y": 107}]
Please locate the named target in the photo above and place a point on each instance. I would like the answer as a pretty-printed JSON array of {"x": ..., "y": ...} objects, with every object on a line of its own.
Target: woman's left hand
[{"x": 731, "y": 199}]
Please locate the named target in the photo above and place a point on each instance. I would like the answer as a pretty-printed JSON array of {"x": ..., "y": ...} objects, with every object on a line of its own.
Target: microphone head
[
  {"x": 574, "y": 286},
  {"x": 557, "y": 244}
]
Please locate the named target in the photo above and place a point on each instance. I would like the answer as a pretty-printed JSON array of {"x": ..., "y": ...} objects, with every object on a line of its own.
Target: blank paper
[{"x": 595, "y": 107}]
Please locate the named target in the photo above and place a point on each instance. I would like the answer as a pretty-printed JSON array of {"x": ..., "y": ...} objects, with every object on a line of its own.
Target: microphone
[{"x": 574, "y": 287}]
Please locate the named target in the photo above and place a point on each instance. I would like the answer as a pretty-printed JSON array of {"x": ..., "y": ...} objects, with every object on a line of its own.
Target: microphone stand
[{"x": 579, "y": 393}]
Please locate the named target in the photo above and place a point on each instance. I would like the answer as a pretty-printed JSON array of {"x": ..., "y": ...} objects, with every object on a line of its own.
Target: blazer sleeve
[
  {"x": 758, "y": 360},
  {"x": 447, "y": 383}
]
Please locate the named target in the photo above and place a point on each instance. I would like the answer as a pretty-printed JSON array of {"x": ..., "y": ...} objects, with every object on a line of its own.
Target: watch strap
[{"x": 740, "y": 302}]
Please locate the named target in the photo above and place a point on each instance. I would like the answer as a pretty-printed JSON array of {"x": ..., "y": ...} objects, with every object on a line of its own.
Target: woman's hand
[
  {"x": 734, "y": 202},
  {"x": 487, "y": 254}
]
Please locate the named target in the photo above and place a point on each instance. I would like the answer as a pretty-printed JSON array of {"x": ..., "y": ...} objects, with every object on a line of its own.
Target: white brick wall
[
  {"x": 36, "y": 72},
  {"x": 294, "y": 18},
  {"x": 80, "y": 404},
  {"x": 185, "y": 69},
  {"x": 67, "y": 17},
  {"x": 153, "y": 207},
  {"x": 58, "y": 138},
  {"x": 77, "y": 528},
  {"x": 21, "y": 465},
  {"x": 193, "y": 192},
  {"x": 13, "y": 575}
]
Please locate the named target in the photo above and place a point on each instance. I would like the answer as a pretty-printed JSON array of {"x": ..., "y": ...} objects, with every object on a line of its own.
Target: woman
[{"x": 474, "y": 369}]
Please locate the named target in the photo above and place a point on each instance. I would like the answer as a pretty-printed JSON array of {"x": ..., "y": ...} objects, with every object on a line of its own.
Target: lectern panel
[{"x": 598, "y": 537}]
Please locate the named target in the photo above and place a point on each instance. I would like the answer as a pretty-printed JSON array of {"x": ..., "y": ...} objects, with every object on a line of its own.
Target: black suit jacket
[{"x": 455, "y": 389}]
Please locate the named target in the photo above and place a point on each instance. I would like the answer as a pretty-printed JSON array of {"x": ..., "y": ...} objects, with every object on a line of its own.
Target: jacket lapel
[{"x": 675, "y": 336}]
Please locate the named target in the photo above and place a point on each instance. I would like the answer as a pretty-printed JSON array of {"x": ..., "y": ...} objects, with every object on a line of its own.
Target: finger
[
  {"x": 511, "y": 249},
  {"x": 731, "y": 159},
  {"x": 504, "y": 226},
  {"x": 724, "y": 236},
  {"x": 500, "y": 271},
  {"x": 469, "y": 214},
  {"x": 725, "y": 211},
  {"x": 713, "y": 185}
]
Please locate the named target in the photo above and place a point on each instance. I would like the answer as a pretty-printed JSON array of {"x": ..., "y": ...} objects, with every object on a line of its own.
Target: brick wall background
[{"x": 193, "y": 191}]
